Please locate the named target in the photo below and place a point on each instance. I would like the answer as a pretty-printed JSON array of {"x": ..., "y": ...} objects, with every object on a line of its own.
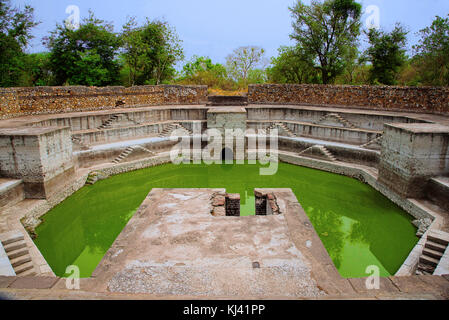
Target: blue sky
[{"x": 215, "y": 27}]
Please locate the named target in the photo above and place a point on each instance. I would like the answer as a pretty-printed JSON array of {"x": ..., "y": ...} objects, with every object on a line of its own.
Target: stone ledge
[
  {"x": 386, "y": 286},
  {"x": 5, "y": 281},
  {"x": 28, "y": 282}
]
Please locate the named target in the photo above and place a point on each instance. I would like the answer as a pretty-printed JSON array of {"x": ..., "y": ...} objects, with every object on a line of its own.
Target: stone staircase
[
  {"x": 172, "y": 127},
  {"x": 377, "y": 141},
  {"x": 92, "y": 178},
  {"x": 283, "y": 128},
  {"x": 19, "y": 255},
  {"x": 336, "y": 117},
  {"x": 318, "y": 150},
  {"x": 125, "y": 154},
  {"x": 108, "y": 123},
  {"x": 436, "y": 244}
]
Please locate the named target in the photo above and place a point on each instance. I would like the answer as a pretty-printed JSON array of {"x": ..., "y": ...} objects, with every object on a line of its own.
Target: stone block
[
  {"x": 411, "y": 155},
  {"x": 42, "y": 157}
]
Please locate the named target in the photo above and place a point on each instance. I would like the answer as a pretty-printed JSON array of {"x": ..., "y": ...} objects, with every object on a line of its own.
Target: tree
[
  {"x": 86, "y": 56},
  {"x": 293, "y": 65},
  {"x": 257, "y": 76},
  {"x": 151, "y": 51},
  {"x": 327, "y": 30},
  {"x": 37, "y": 70},
  {"x": 201, "y": 71},
  {"x": 15, "y": 33},
  {"x": 432, "y": 53},
  {"x": 386, "y": 54},
  {"x": 133, "y": 48},
  {"x": 243, "y": 60},
  {"x": 200, "y": 64}
]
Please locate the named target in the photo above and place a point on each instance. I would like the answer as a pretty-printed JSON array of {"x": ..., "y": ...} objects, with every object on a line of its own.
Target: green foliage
[
  {"x": 242, "y": 60},
  {"x": 85, "y": 56},
  {"x": 293, "y": 65},
  {"x": 201, "y": 71},
  {"x": 326, "y": 51},
  {"x": 37, "y": 70},
  {"x": 151, "y": 51},
  {"x": 15, "y": 32},
  {"x": 327, "y": 30},
  {"x": 386, "y": 54},
  {"x": 198, "y": 64},
  {"x": 257, "y": 76},
  {"x": 432, "y": 58}
]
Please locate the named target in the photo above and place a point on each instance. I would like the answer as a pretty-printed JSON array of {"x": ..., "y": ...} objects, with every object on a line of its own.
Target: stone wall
[
  {"x": 39, "y": 100},
  {"x": 411, "y": 155},
  {"x": 417, "y": 99},
  {"x": 41, "y": 157}
]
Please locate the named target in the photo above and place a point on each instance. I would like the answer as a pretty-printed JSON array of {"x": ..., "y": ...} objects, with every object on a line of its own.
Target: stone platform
[{"x": 174, "y": 246}]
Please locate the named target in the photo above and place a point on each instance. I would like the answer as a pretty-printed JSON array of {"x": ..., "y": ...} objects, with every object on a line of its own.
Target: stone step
[
  {"x": 20, "y": 261},
  {"x": 428, "y": 261},
  {"x": 29, "y": 273},
  {"x": 15, "y": 246},
  {"x": 432, "y": 253},
  {"x": 439, "y": 237},
  {"x": 426, "y": 269},
  {"x": 423, "y": 272},
  {"x": 17, "y": 254},
  {"x": 327, "y": 153},
  {"x": 13, "y": 239},
  {"x": 23, "y": 268},
  {"x": 435, "y": 246},
  {"x": 339, "y": 118}
]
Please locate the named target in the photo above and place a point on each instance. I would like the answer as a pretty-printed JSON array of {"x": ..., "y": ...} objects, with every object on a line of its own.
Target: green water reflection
[{"x": 358, "y": 226}]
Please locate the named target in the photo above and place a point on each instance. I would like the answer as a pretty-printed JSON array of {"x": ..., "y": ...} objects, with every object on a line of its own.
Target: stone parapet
[
  {"x": 43, "y": 100},
  {"x": 418, "y": 99}
]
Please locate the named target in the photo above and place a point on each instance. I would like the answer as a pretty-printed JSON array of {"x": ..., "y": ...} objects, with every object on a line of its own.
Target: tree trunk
[{"x": 325, "y": 76}]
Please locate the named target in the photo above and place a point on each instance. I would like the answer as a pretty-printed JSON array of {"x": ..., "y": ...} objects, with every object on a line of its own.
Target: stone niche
[
  {"x": 412, "y": 154},
  {"x": 229, "y": 118},
  {"x": 41, "y": 157}
]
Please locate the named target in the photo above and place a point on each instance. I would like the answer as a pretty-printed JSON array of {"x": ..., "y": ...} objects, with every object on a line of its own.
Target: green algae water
[{"x": 358, "y": 226}]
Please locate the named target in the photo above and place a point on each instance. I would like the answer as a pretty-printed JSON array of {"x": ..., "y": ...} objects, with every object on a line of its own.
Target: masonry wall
[
  {"x": 411, "y": 155},
  {"x": 39, "y": 100},
  {"x": 418, "y": 99},
  {"x": 41, "y": 157}
]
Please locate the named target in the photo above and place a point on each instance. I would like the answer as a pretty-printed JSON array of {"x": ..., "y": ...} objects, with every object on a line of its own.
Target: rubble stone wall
[
  {"x": 416, "y": 99},
  {"x": 42, "y": 100}
]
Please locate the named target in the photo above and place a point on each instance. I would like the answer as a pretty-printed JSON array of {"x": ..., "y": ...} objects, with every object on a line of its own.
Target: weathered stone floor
[{"x": 174, "y": 246}]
